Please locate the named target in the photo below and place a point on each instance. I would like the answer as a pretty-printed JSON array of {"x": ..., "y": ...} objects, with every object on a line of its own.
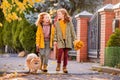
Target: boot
[
  {"x": 58, "y": 67},
  {"x": 44, "y": 68},
  {"x": 65, "y": 70}
]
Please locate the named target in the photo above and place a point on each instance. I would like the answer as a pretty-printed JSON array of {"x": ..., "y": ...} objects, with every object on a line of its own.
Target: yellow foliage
[
  {"x": 78, "y": 44},
  {"x": 52, "y": 11},
  {"x": 19, "y": 19},
  {"x": 14, "y": 16},
  {"x": 1, "y": 25},
  {"x": 21, "y": 7},
  {"x": 30, "y": 5},
  {"x": 25, "y": 1},
  {"x": 5, "y": 4},
  {"x": 31, "y": 2},
  {"x": 35, "y": 9},
  {"x": 11, "y": 16},
  {"x": 37, "y": 0},
  {"x": 8, "y": 19},
  {"x": 13, "y": 1},
  {"x": 53, "y": 62}
]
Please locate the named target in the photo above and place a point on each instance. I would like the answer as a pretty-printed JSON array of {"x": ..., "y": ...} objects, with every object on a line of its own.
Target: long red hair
[
  {"x": 65, "y": 13},
  {"x": 41, "y": 17}
]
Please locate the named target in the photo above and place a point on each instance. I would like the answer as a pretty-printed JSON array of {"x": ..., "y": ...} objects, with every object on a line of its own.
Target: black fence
[{"x": 94, "y": 36}]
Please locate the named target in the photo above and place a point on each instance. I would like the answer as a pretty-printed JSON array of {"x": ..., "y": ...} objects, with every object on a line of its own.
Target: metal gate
[{"x": 94, "y": 36}]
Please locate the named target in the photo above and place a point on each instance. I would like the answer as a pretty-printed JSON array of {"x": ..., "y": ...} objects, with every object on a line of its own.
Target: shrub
[
  {"x": 112, "y": 51},
  {"x": 27, "y": 37},
  {"x": 1, "y": 38},
  {"x": 16, "y": 31},
  {"x": 7, "y": 34},
  {"x": 112, "y": 56},
  {"x": 114, "y": 40}
]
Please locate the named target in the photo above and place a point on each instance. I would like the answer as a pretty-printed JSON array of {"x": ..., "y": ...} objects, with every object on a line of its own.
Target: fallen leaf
[
  {"x": 99, "y": 70},
  {"x": 113, "y": 73},
  {"x": 5, "y": 65},
  {"x": 48, "y": 75},
  {"x": 22, "y": 74},
  {"x": 8, "y": 67},
  {"x": 19, "y": 65},
  {"x": 53, "y": 62},
  {"x": 36, "y": 77}
]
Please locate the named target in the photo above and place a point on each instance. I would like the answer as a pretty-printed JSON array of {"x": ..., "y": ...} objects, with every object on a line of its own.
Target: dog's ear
[{"x": 27, "y": 60}]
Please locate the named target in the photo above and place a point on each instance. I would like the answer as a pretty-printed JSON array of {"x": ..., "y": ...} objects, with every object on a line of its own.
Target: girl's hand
[{"x": 55, "y": 43}]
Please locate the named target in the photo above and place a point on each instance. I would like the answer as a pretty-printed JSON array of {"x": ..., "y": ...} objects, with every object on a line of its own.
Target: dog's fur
[{"x": 33, "y": 62}]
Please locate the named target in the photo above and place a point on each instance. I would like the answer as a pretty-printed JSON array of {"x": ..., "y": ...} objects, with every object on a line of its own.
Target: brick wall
[
  {"x": 106, "y": 30},
  {"x": 82, "y": 34},
  {"x": 111, "y": 1}
]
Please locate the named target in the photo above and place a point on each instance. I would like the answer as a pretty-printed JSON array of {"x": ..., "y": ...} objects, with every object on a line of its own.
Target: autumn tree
[{"x": 13, "y": 8}]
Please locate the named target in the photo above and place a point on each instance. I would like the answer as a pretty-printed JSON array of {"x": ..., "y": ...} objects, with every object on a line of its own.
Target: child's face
[
  {"x": 46, "y": 19},
  {"x": 60, "y": 15}
]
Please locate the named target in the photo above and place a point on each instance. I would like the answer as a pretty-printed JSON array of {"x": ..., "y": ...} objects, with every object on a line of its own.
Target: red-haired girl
[
  {"x": 44, "y": 38},
  {"x": 64, "y": 37}
]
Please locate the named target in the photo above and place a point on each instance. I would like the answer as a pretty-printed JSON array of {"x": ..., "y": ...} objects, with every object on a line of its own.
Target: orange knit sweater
[{"x": 63, "y": 28}]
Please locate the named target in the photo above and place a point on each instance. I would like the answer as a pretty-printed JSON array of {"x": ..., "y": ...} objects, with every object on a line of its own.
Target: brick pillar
[
  {"x": 82, "y": 34},
  {"x": 107, "y": 17}
]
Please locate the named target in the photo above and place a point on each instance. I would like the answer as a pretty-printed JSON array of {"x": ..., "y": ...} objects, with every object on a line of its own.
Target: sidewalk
[
  {"x": 77, "y": 71},
  {"x": 17, "y": 64}
]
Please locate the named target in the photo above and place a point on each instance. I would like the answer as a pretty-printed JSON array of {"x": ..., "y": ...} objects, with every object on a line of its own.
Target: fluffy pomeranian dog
[{"x": 33, "y": 63}]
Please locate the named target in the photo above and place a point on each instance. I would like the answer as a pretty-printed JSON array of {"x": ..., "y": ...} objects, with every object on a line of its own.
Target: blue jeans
[{"x": 44, "y": 53}]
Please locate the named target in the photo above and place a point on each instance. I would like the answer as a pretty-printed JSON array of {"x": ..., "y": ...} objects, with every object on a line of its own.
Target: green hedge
[
  {"x": 16, "y": 31},
  {"x": 7, "y": 34},
  {"x": 19, "y": 35},
  {"x": 112, "y": 56},
  {"x": 27, "y": 37},
  {"x": 1, "y": 37},
  {"x": 114, "y": 40}
]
